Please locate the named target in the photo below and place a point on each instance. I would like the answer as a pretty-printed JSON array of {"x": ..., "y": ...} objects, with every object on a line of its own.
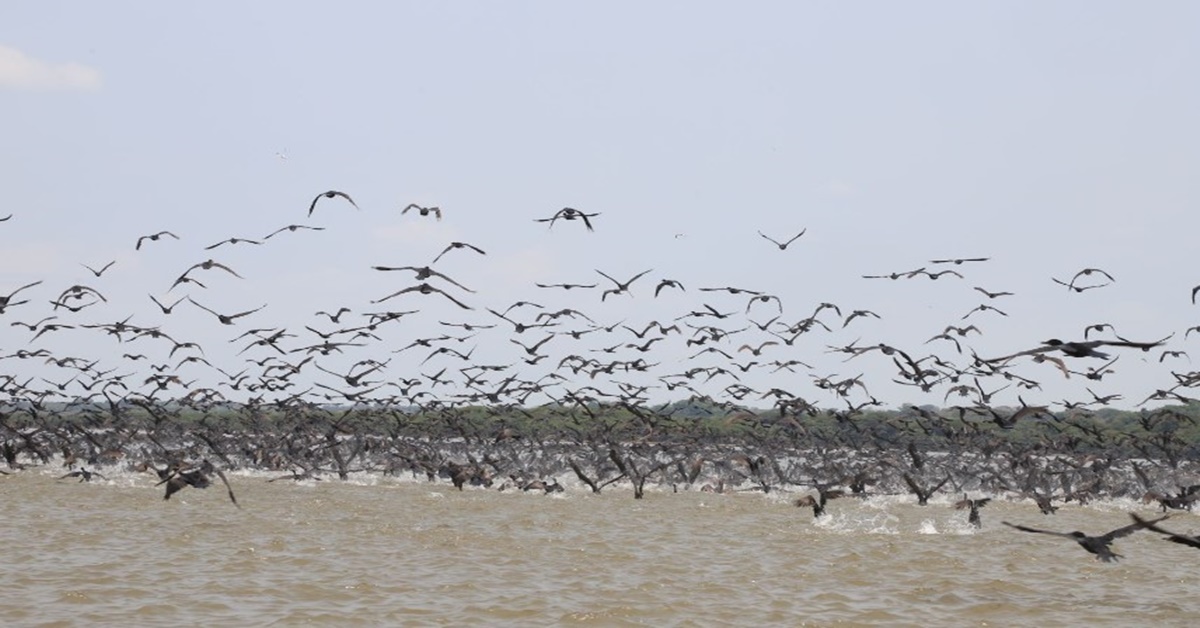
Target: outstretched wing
[
  {"x": 221, "y": 474},
  {"x": 1035, "y": 530},
  {"x": 1131, "y": 528}
]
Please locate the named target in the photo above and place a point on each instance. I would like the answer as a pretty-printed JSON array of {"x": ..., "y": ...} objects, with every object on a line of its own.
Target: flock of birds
[{"x": 163, "y": 407}]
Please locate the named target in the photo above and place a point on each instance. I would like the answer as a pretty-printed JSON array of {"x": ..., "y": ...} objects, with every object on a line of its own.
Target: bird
[
  {"x": 457, "y": 245},
  {"x": 668, "y": 283},
  {"x": 1100, "y": 545},
  {"x": 153, "y": 238},
  {"x": 424, "y": 288},
  {"x": 330, "y": 194},
  {"x": 178, "y": 479},
  {"x": 231, "y": 241},
  {"x": 424, "y": 211},
  {"x": 333, "y": 318},
  {"x": 211, "y": 264},
  {"x": 423, "y": 273},
  {"x": 293, "y": 229},
  {"x": 974, "y": 505},
  {"x": 102, "y": 269},
  {"x": 959, "y": 260},
  {"x": 226, "y": 320},
  {"x": 621, "y": 287},
  {"x": 993, "y": 295},
  {"x": 566, "y": 286},
  {"x": 824, "y": 494},
  {"x": 570, "y": 213},
  {"x": 166, "y": 309},
  {"x": 83, "y": 474},
  {"x": 783, "y": 245},
  {"x": 1085, "y": 349}
]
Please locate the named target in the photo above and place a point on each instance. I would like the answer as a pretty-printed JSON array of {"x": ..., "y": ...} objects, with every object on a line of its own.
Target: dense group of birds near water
[{"x": 574, "y": 399}]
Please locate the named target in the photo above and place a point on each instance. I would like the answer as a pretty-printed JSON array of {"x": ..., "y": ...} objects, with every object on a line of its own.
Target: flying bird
[
  {"x": 783, "y": 245},
  {"x": 974, "y": 505},
  {"x": 292, "y": 228},
  {"x": 621, "y": 287},
  {"x": 102, "y": 269},
  {"x": 1086, "y": 349},
  {"x": 1098, "y": 545},
  {"x": 330, "y": 194},
  {"x": 457, "y": 245},
  {"x": 569, "y": 213},
  {"x": 177, "y": 480},
  {"x": 231, "y": 241},
  {"x": 424, "y": 211},
  {"x": 959, "y": 260},
  {"x": 227, "y": 320},
  {"x": 153, "y": 238}
]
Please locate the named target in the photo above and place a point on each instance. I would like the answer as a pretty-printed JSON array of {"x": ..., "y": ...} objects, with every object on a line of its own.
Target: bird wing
[
  {"x": 1131, "y": 528},
  {"x": 769, "y": 238},
  {"x": 1021, "y": 353},
  {"x": 1036, "y": 530},
  {"x": 228, "y": 488}
]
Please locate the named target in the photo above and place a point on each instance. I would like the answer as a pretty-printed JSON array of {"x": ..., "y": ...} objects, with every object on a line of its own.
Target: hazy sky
[{"x": 1049, "y": 137}]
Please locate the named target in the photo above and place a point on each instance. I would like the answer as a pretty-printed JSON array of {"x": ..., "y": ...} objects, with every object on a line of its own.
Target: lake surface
[{"x": 395, "y": 551}]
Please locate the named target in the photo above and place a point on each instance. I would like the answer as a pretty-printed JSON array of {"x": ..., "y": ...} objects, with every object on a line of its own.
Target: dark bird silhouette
[
  {"x": 959, "y": 260},
  {"x": 102, "y": 268},
  {"x": 330, "y": 194},
  {"x": 566, "y": 286},
  {"x": 621, "y": 287},
  {"x": 817, "y": 503},
  {"x": 923, "y": 493},
  {"x": 424, "y": 211},
  {"x": 178, "y": 479},
  {"x": 568, "y": 213},
  {"x": 783, "y": 245},
  {"x": 974, "y": 505},
  {"x": 231, "y": 241},
  {"x": 457, "y": 245},
  {"x": 153, "y": 238},
  {"x": 334, "y": 318},
  {"x": 166, "y": 309},
  {"x": 668, "y": 283},
  {"x": 993, "y": 295},
  {"x": 1100, "y": 546},
  {"x": 83, "y": 474},
  {"x": 293, "y": 229},
  {"x": 1086, "y": 349},
  {"x": 227, "y": 320},
  {"x": 423, "y": 273},
  {"x": 424, "y": 288},
  {"x": 211, "y": 264}
]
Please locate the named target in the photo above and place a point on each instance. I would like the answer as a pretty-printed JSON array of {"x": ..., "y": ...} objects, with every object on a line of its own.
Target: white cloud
[{"x": 20, "y": 71}]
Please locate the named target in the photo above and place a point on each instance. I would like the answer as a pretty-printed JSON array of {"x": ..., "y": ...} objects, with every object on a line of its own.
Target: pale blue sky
[{"x": 1047, "y": 136}]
